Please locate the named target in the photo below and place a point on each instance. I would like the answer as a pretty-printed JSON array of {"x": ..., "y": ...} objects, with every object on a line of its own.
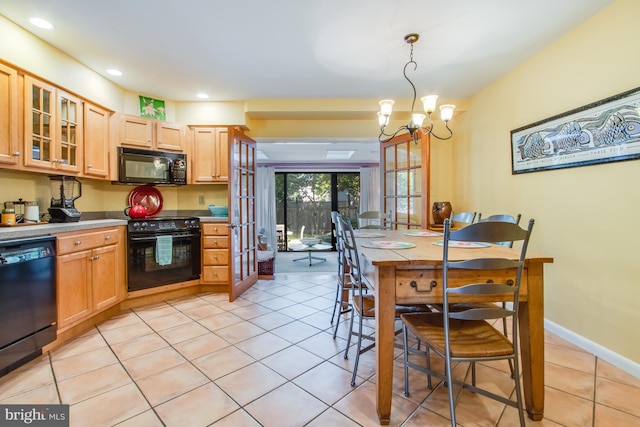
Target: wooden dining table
[{"x": 414, "y": 276}]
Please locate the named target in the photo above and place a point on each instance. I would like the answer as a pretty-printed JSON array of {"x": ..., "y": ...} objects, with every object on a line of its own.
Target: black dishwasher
[{"x": 27, "y": 299}]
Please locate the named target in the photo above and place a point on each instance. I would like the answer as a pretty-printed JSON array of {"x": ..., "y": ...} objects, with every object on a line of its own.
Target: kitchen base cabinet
[
  {"x": 90, "y": 274},
  {"x": 215, "y": 253}
]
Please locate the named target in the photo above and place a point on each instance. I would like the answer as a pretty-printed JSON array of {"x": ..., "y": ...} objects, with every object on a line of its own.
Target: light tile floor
[{"x": 269, "y": 359}]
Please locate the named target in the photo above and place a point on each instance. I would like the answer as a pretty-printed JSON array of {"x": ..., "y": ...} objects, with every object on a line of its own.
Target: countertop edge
[
  {"x": 27, "y": 231},
  {"x": 44, "y": 229}
]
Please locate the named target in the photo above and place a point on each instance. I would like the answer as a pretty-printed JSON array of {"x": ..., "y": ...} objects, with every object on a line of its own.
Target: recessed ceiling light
[
  {"x": 202, "y": 96},
  {"x": 339, "y": 154},
  {"x": 114, "y": 72},
  {"x": 42, "y": 23}
]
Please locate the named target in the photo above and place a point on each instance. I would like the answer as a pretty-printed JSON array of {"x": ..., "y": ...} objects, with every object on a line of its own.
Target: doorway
[{"x": 304, "y": 201}]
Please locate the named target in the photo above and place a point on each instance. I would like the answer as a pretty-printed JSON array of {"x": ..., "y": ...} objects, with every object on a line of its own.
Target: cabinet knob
[
  {"x": 89, "y": 166},
  {"x": 78, "y": 242},
  {"x": 16, "y": 154},
  {"x": 107, "y": 238}
]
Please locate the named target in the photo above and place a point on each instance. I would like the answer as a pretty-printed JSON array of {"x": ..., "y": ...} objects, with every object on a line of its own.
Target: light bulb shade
[
  {"x": 417, "y": 119},
  {"x": 382, "y": 119},
  {"x": 386, "y": 106},
  {"x": 429, "y": 103},
  {"x": 446, "y": 112}
]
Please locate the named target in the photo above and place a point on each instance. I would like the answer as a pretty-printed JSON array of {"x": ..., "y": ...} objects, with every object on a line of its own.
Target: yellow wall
[{"x": 585, "y": 217}]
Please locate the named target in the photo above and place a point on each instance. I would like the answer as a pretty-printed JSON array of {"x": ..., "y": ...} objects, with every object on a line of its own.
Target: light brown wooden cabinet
[
  {"x": 141, "y": 132},
  {"x": 406, "y": 181},
  {"x": 53, "y": 128},
  {"x": 9, "y": 144},
  {"x": 215, "y": 253},
  {"x": 210, "y": 163},
  {"x": 96, "y": 142},
  {"x": 90, "y": 273}
]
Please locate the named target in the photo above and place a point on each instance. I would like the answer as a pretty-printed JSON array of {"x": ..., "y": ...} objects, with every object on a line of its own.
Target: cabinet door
[
  {"x": 9, "y": 144},
  {"x": 169, "y": 136},
  {"x": 96, "y": 141},
  {"x": 74, "y": 289},
  {"x": 210, "y": 155},
  {"x": 406, "y": 178},
  {"x": 222, "y": 155},
  {"x": 39, "y": 123},
  {"x": 69, "y": 136},
  {"x": 136, "y": 132},
  {"x": 105, "y": 275},
  {"x": 203, "y": 152}
]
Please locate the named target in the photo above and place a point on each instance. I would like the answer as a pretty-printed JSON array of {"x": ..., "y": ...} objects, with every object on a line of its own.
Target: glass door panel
[
  {"x": 244, "y": 267},
  {"x": 304, "y": 202}
]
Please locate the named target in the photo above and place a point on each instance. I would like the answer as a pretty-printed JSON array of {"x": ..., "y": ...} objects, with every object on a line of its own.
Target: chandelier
[{"x": 415, "y": 126}]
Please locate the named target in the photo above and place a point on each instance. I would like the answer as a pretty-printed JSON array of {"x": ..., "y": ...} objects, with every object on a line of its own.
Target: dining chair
[
  {"x": 465, "y": 217},
  {"x": 373, "y": 220},
  {"x": 469, "y": 335},
  {"x": 342, "y": 305},
  {"x": 501, "y": 218},
  {"x": 362, "y": 302}
]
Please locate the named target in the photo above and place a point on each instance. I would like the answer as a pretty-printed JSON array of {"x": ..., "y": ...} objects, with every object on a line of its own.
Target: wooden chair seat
[{"x": 468, "y": 338}]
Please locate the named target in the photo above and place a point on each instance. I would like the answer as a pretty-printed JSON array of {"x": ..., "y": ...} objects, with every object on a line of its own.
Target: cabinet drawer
[
  {"x": 73, "y": 242},
  {"x": 425, "y": 285},
  {"x": 215, "y": 242},
  {"x": 215, "y": 257},
  {"x": 217, "y": 229},
  {"x": 215, "y": 274}
]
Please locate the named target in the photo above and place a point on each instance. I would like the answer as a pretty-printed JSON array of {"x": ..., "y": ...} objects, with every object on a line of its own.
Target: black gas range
[
  {"x": 162, "y": 251},
  {"x": 163, "y": 224}
]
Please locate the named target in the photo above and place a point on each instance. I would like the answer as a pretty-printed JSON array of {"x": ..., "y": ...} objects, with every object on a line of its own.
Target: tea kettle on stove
[{"x": 136, "y": 211}]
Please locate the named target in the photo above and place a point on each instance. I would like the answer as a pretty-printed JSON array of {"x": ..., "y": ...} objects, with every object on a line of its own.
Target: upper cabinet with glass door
[
  {"x": 406, "y": 181},
  {"x": 53, "y": 128}
]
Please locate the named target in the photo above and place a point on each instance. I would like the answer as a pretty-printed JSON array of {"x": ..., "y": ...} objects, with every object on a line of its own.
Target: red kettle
[{"x": 136, "y": 211}]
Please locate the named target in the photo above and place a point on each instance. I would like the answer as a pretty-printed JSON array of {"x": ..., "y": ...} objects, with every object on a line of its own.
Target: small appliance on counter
[
  {"x": 20, "y": 208},
  {"x": 64, "y": 191}
]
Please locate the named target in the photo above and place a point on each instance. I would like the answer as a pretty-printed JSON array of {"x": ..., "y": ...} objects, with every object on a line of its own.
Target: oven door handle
[{"x": 153, "y": 238}]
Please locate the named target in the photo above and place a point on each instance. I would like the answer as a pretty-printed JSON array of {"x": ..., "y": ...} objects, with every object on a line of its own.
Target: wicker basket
[{"x": 265, "y": 268}]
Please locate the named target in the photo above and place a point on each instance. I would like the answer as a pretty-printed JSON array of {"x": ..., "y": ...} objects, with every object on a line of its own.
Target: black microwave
[{"x": 138, "y": 166}]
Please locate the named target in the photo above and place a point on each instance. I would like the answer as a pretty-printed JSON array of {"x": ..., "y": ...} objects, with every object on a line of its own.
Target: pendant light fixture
[{"x": 415, "y": 126}]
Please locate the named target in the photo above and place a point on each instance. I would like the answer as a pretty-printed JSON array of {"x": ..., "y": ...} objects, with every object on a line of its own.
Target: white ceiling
[{"x": 298, "y": 49}]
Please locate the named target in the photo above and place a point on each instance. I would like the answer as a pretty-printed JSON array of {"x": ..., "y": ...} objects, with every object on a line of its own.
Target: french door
[
  {"x": 242, "y": 213},
  {"x": 304, "y": 201}
]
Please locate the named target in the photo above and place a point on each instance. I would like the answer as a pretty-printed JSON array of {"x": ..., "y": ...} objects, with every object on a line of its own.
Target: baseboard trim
[{"x": 597, "y": 350}]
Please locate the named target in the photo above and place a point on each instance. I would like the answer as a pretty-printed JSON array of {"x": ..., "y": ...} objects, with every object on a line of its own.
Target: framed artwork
[
  {"x": 152, "y": 108},
  {"x": 604, "y": 131}
]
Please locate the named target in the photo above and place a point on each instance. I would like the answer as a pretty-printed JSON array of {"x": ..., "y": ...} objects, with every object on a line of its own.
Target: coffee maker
[{"x": 64, "y": 191}]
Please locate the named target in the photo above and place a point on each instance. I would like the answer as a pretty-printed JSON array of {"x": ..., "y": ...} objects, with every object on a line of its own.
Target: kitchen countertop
[{"x": 43, "y": 229}]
